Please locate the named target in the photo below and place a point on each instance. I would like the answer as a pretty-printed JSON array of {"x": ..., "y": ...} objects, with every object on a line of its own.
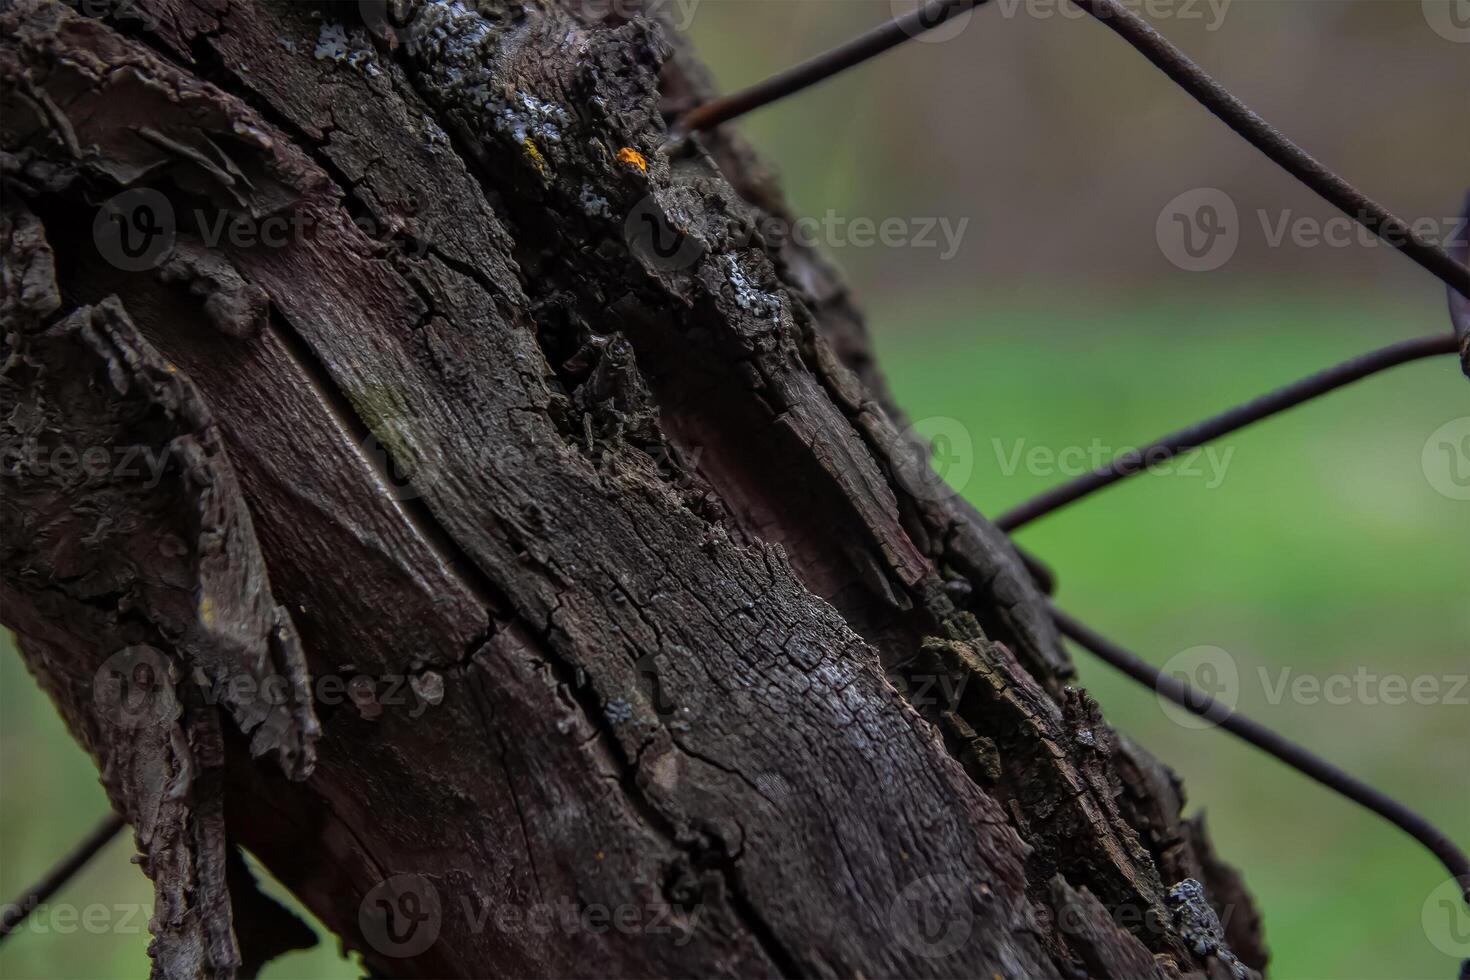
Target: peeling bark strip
[
  {"x": 109, "y": 563},
  {"x": 523, "y": 421}
]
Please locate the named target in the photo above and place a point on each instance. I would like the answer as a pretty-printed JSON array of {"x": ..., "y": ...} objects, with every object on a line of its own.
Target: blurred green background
[{"x": 1325, "y": 549}]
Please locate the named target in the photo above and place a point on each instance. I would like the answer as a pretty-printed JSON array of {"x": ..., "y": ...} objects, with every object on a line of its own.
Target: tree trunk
[{"x": 379, "y": 398}]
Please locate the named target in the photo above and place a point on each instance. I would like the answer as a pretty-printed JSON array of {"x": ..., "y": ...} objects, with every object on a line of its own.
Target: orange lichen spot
[
  {"x": 629, "y": 155},
  {"x": 599, "y": 855},
  {"x": 535, "y": 154}
]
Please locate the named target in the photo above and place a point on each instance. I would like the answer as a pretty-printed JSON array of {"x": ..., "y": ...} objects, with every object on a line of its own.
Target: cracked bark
[{"x": 492, "y": 559}]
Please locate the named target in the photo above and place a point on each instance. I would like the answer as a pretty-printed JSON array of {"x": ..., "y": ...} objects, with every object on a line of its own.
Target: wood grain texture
[{"x": 607, "y": 554}]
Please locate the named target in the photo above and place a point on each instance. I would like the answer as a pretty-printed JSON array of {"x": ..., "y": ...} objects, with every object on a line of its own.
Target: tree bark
[{"x": 422, "y": 480}]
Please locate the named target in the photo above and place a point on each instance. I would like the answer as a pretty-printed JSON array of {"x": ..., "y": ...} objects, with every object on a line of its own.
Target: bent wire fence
[{"x": 1451, "y": 269}]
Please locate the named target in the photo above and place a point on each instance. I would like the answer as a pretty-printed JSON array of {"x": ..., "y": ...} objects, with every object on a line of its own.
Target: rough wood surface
[{"x": 535, "y": 574}]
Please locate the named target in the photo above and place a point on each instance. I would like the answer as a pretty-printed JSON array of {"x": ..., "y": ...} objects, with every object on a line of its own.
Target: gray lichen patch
[
  {"x": 334, "y": 44},
  {"x": 1200, "y": 926},
  {"x": 525, "y": 115},
  {"x": 593, "y": 203},
  {"x": 618, "y": 711},
  {"x": 747, "y": 294},
  {"x": 452, "y": 27},
  {"x": 331, "y": 43}
]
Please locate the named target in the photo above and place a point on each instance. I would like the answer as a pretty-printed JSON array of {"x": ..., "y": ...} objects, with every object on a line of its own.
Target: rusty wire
[
  {"x": 1294, "y": 755},
  {"x": 808, "y": 73},
  {"x": 1133, "y": 461},
  {"x": 1158, "y": 50},
  {"x": 1282, "y": 151},
  {"x": 59, "y": 873}
]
